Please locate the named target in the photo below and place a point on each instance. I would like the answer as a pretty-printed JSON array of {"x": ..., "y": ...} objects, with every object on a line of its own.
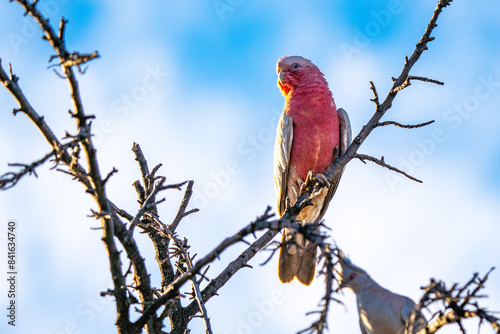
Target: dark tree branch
[
  {"x": 375, "y": 95},
  {"x": 141, "y": 276},
  {"x": 382, "y": 163},
  {"x": 407, "y": 126},
  {"x": 172, "y": 289},
  {"x": 458, "y": 303},
  {"x": 261, "y": 223},
  {"x": 181, "y": 213},
  {"x": 94, "y": 181},
  {"x": 381, "y": 108},
  {"x": 143, "y": 164},
  {"x": 10, "y": 179},
  {"x": 147, "y": 193},
  {"x": 185, "y": 258},
  {"x": 320, "y": 325},
  {"x": 113, "y": 171},
  {"x": 407, "y": 82},
  {"x": 11, "y": 83},
  {"x": 74, "y": 59},
  {"x": 240, "y": 262},
  {"x": 148, "y": 204}
]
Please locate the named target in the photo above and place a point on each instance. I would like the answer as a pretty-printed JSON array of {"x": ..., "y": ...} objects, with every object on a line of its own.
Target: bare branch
[
  {"x": 113, "y": 171},
  {"x": 148, "y": 202},
  {"x": 196, "y": 288},
  {"x": 10, "y": 179},
  {"x": 407, "y": 126},
  {"x": 74, "y": 58},
  {"x": 11, "y": 83},
  {"x": 375, "y": 95},
  {"x": 171, "y": 290},
  {"x": 458, "y": 303},
  {"x": 407, "y": 82},
  {"x": 320, "y": 325},
  {"x": 387, "y": 103},
  {"x": 240, "y": 262},
  {"x": 62, "y": 27},
  {"x": 121, "y": 212},
  {"x": 141, "y": 276},
  {"x": 181, "y": 213},
  {"x": 94, "y": 180},
  {"x": 382, "y": 163},
  {"x": 143, "y": 164}
]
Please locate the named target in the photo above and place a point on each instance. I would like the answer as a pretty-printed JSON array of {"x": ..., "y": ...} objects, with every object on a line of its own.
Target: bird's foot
[{"x": 322, "y": 180}]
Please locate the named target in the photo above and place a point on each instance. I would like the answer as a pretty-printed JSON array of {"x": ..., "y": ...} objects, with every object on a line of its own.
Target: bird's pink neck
[{"x": 312, "y": 98}]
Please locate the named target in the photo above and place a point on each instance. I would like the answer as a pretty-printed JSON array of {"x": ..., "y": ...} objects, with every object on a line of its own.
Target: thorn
[
  {"x": 62, "y": 27},
  {"x": 90, "y": 191},
  {"x": 13, "y": 77},
  {"x": 59, "y": 75},
  {"x": 16, "y": 110}
]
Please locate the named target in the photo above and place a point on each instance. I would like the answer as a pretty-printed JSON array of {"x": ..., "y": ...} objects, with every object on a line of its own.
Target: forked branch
[{"x": 454, "y": 304}]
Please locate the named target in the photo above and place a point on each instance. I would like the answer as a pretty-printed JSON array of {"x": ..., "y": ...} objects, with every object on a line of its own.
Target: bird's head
[
  {"x": 296, "y": 71},
  {"x": 351, "y": 276}
]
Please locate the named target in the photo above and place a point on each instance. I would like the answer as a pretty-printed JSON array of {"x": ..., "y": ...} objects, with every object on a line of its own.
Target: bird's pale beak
[{"x": 281, "y": 76}]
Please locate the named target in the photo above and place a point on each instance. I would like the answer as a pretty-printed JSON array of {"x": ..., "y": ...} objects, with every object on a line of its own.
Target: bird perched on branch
[
  {"x": 380, "y": 310},
  {"x": 311, "y": 134}
]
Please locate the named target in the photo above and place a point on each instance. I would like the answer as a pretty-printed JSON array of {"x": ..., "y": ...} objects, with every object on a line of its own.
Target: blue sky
[{"x": 194, "y": 84}]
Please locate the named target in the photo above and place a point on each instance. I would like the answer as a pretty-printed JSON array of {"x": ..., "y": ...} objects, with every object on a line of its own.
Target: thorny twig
[
  {"x": 328, "y": 253},
  {"x": 458, "y": 303},
  {"x": 181, "y": 213},
  {"x": 184, "y": 256},
  {"x": 382, "y": 163},
  {"x": 75, "y": 59},
  {"x": 148, "y": 202},
  {"x": 92, "y": 177},
  {"x": 10, "y": 179},
  {"x": 404, "y": 126},
  {"x": 407, "y": 82},
  {"x": 381, "y": 108}
]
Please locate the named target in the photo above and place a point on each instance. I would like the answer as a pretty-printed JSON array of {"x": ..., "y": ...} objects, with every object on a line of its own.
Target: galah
[
  {"x": 380, "y": 310},
  {"x": 311, "y": 134}
]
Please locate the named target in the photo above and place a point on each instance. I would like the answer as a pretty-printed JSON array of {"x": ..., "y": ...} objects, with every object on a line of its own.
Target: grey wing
[
  {"x": 406, "y": 312},
  {"x": 282, "y": 151},
  {"x": 345, "y": 141},
  {"x": 345, "y": 130}
]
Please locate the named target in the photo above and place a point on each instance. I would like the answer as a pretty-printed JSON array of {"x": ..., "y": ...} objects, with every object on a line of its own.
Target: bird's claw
[{"x": 322, "y": 180}]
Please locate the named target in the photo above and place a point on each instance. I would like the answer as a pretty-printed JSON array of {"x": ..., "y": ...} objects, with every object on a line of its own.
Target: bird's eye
[{"x": 295, "y": 66}]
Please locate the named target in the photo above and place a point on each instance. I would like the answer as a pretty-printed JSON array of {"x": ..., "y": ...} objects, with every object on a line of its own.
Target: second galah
[
  {"x": 380, "y": 310},
  {"x": 311, "y": 134}
]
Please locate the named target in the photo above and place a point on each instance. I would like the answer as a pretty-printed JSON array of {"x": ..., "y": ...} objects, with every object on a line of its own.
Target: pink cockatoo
[
  {"x": 311, "y": 134},
  {"x": 380, "y": 310}
]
